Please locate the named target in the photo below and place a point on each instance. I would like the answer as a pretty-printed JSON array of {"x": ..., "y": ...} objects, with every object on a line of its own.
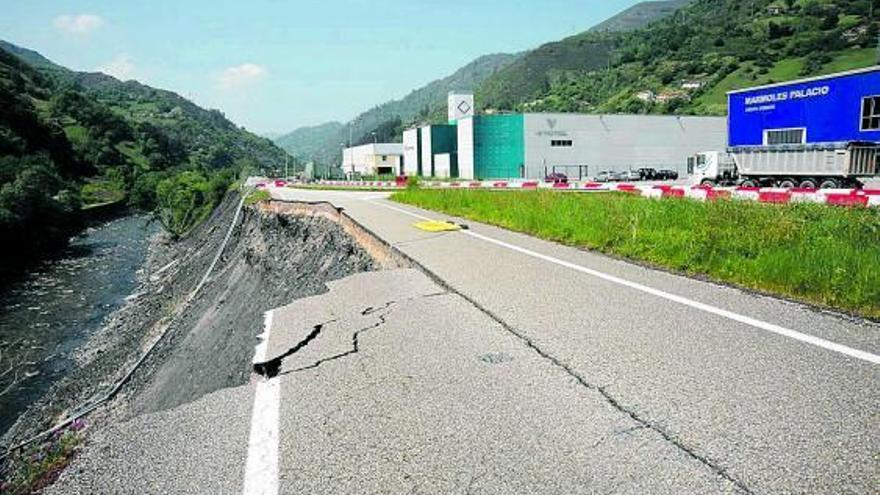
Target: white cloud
[
  {"x": 122, "y": 67},
  {"x": 78, "y": 25},
  {"x": 241, "y": 75}
]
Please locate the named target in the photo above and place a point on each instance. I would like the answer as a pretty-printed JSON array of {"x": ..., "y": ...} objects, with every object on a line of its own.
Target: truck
[
  {"x": 802, "y": 167},
  {"x": 821, "y": 132}
]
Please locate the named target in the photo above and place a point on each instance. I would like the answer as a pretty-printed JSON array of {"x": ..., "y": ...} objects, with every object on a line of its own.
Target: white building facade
[{"x": 373, "y": 159}]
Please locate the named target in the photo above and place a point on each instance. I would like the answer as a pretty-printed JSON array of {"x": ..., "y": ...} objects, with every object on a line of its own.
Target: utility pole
[{"x": 286, "y": 169}]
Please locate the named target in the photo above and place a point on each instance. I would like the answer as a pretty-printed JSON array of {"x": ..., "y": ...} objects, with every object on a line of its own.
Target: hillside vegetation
[
  {"x": 685, "y": 63},
  {"x": 69, "y": 140},
  {"x": 639, "y": 15}
]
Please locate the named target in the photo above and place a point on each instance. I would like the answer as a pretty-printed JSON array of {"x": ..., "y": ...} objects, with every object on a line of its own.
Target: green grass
[
  {"x": 813, "y": 253},
  {"x": 745, "y": 77},
  {"x": 102, "y": 191},
  {"x": 38, "y": 466},
  {"x": 851, "y": 59},
  {"x": 715, "y": 100},
  {"x": 257, "y": 196}
]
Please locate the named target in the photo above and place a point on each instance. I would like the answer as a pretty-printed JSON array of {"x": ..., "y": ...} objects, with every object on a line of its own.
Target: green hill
[
  {"x": 513, "y": 75},
  {"x": 322, "y": 143},
  {"x": 640, "y": 15},
  {"x": 686, "y": 62},
  {"x": 69, "y": 140}
]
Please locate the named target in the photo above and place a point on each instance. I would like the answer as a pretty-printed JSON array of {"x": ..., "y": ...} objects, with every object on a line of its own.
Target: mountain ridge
[{"x": 321, "y": 143}]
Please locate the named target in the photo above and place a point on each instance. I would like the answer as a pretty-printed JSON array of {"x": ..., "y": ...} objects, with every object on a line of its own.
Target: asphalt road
[
  {"x": 767, "y": 411},
  {"x": 516, "y": 365}
]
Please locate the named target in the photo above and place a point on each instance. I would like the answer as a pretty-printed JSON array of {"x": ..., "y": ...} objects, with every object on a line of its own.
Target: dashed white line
[
  {"x": 769, "y": 327},
  {"x": 261, "y": 471}
]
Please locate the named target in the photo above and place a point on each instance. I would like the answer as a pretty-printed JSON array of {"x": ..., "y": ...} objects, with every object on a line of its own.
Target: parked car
[
  {"x": 604, "y": 176},
  {"x": 648, "y": 173},
  {"x": 615, "y": 176},
  {"x": 280, "y": 183},
  {"x": 261, "y": 185},
  {"x": 556, "y": 178},
  {"x": 632, "y": 175},
  {"x": 667, "y": 174}
]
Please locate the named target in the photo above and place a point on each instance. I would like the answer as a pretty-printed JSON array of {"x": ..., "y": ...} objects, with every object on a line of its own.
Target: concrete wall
[
  {"x": 466, "y": 148},
  {"x": 427, "y": 154},
  {"x": 411, "y": 155},
  {"x": 617, "y": 142},
  {"x": 443, "y": 165}
]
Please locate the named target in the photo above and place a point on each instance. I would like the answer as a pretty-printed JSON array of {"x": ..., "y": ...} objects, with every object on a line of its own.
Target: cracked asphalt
[
  {"x": 496, "y": 372},
  {"x": 768, "y": 413}
]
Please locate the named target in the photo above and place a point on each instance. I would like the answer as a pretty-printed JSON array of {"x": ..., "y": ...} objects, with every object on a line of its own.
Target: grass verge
[
  {"x": 38, "y": 466},
  {"x": 813, "y": 253},
  {"x": 257, "y": 196}
]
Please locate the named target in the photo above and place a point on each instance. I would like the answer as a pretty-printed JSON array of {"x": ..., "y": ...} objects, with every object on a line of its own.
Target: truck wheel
[
  {"x": 749, "y": 183},
  {"x": 787, "y": 184},
  {"x": 707, "y": 183},
  {"x": 829, "y": 184},
  {"x": 808, "y": 184}
]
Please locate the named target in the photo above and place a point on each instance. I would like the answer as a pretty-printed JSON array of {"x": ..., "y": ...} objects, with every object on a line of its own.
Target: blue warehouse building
[
  {"x": 822, "y": 131},
  {"x": 839, "y": 108}
]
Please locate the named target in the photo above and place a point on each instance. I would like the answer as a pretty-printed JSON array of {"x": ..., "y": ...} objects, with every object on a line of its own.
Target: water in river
[{"x": 47, "y": 315}]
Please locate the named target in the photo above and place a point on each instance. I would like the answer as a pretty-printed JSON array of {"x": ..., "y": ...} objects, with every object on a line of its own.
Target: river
[{"x": 48, "y": 314}]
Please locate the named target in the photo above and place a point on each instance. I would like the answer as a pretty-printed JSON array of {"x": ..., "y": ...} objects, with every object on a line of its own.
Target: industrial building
[
  {"x": 432, "y": 151},
  {"x": 531, "y": 146},
  {"x": 373, "y": 159}
]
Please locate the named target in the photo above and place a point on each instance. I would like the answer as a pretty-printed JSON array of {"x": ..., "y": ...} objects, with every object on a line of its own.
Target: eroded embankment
[
  {"x": 273, "y": 254},
  {"x": 280, "y": 253}
]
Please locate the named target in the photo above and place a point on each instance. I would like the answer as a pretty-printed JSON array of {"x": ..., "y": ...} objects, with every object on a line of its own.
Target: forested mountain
[
  {"x": 640, "y": 15},
  {"x": 70, "y": 139},
  {"x": 427, "y": 104},
  {"x": 685, "y": 63}
]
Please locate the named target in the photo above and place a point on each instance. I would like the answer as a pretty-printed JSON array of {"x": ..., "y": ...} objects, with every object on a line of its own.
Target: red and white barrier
[{"x": 839, "y": 197}]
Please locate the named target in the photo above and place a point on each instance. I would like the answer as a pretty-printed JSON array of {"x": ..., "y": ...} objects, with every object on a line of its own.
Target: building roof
[
  {"x": 874, "y": 68},
  {"x": 380, "y": 148}
]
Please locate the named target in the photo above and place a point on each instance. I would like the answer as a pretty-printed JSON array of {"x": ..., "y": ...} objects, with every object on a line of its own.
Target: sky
[{"x": 271, "y": 65}]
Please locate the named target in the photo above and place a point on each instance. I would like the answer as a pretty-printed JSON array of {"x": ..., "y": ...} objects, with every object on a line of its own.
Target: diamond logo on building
[{"x": 464, "y": 108}]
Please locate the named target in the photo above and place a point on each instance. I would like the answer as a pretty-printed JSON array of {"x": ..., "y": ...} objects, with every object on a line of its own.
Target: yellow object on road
[{"x": 437, "y": 226}]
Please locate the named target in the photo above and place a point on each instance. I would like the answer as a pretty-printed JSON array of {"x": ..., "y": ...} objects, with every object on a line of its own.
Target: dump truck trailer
[{"x": 822, "y": 132}]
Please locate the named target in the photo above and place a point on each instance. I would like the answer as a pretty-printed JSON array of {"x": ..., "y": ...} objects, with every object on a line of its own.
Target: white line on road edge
[
  {"x": 769, "y": 327},
  {"x": 261, "y": 473},
  {"x": 262, "y": 348}
]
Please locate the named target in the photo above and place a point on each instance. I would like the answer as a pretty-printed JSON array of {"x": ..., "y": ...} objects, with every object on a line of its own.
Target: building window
[
  {"x": 562, "y": 143},
  {"x": 384, "y": 158},
  {"x": 774, "y": 137},
  {"x": 871, "y": 113}
]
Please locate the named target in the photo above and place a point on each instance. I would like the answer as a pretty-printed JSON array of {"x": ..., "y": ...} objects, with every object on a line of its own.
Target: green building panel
[
  {"x": 499, "y": 146},
  {"x": 444, "y": 139}
]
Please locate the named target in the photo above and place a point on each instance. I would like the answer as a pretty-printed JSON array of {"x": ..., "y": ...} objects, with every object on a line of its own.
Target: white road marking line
[
  {"x": 261, "y": 471},
  {"x": 769, "y": 327},
  {"x": 262, "y": 348}
]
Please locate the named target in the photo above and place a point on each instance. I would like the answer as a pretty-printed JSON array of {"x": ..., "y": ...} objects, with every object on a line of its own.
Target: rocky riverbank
[{"x": 207, "y": 340}]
